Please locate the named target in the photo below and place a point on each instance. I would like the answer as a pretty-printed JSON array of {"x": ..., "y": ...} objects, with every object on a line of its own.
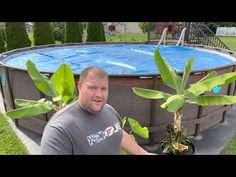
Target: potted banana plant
[{"x": 177, "y": 141}]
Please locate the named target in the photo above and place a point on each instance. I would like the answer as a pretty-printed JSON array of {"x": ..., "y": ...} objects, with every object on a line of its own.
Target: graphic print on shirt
[{"x": 103, "y": 134}]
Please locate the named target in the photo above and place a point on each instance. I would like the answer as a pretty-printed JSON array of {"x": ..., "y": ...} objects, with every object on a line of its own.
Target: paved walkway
[
  {"x": 212, "y": 140},
  {"x": 215, "y": 138}
]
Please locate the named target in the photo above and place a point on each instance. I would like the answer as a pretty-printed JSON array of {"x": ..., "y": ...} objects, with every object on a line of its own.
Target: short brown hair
[{"x": 97, "y": 70}]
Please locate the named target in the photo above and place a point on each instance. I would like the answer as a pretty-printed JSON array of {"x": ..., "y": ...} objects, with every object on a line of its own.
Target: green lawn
[
  {"x": 230, "y": 42},
  {"x": 10, "y": 144},
  {"x": 139, "y": 37},
  {"x": 230, "y": 148}
]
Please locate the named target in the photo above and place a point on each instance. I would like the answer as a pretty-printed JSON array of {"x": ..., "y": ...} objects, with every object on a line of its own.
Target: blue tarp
[{"x": 117, "y": 58}]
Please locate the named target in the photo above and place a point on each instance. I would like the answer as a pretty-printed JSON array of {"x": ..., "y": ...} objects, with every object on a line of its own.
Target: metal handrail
[
  {"x": 163, "y": 37},
  {"x": 181, "y": 38},
  {"x": 209, "y": 38}
]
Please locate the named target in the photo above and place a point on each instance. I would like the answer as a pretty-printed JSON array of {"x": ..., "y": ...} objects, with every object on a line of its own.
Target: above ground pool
[
  {"x": 117, "y": 58},
  {"x": 129, "y": 65}
]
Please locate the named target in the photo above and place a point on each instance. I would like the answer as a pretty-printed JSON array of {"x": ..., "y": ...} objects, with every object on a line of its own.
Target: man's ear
[{"x": 79, "y": 85}]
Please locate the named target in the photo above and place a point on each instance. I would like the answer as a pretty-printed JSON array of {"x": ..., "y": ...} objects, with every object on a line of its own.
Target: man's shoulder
[
  {"x": 112, "y": 110},
  {"x": 64, "y": 112},
  {"x": 108, "y": 106}
]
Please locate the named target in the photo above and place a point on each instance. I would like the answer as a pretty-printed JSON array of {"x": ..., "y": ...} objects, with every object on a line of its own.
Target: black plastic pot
[{"x": 158, "y": 150}]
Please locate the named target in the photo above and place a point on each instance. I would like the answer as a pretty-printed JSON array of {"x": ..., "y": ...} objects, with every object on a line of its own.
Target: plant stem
[{"x": 177, "y": 120}]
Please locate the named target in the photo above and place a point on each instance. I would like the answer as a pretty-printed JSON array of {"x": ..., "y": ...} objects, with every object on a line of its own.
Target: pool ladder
[
  {"x": 163, "y": 37},
  {"x": 181, "y": 38}
]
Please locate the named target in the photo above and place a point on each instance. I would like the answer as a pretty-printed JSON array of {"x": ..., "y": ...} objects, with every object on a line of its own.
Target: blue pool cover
[{"x": 117, "y": 58}]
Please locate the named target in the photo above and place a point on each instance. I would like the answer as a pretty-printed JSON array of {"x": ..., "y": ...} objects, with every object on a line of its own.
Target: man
[{"x": 89, "y": 125}]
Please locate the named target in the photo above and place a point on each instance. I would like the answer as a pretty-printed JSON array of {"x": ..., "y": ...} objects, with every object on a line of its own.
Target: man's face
[{"x": 93, "y": 93}]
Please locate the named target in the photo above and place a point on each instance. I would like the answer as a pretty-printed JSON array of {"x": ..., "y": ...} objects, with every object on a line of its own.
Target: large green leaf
[
  {"x": 2, "y": 115},
  {"x": 24, "y": 102},
  {"x": 173, "y": 103},
  {"x": 186, "y": 73},
  {"x": 137, "y": 128},
  {"x": 168, "y": 75},
  {"x": 208, "y": 84},
  {"x": 30, "y": 111},
  {"x": 209, "y": 76},
  {"x": 150, "y": 94},
  {"x": 213, "y": 100},
  {"x": 41, "y": 81},
  {"x": 63, "y": 83}
]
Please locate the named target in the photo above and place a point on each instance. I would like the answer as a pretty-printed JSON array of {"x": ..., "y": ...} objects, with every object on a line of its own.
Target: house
[
  {"x": 29, "y": 27},
  {"x": 2, "y": 24},
  {"x": 125, "y": 27}
]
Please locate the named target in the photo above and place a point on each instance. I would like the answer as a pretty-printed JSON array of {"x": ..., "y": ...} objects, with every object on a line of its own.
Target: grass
[
  {"x": 120, "y": 37},
  {"x": 129, "y": 37},
  {"x": 230, "y": 148},
  {"x": 229, "y": 41},
  {"x": 10, "y": 144}
]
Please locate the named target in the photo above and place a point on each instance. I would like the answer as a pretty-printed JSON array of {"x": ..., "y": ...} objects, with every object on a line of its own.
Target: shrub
[
  {"x": 3, "y": 34},
  {"x": 2, "y": 40},
  {"x": 95, "y": 32},
  {"x": 147, "y": 26},
  {"x": 73, "y": 32},
  {"x": 42, "y": 33},
  {"x": 16, "y": 35},
  {"x": 58, "y": 31}
]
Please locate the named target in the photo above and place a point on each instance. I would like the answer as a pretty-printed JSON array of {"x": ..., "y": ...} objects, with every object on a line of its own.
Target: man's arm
[{"x": 131, "y": 146}]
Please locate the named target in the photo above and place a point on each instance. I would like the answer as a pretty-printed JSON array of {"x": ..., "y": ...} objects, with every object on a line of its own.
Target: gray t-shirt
[{"x": 73, "y": 130}]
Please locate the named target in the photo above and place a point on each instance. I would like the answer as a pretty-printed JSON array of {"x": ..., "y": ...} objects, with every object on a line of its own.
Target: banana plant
[
  {"x": 60, "y": 87},
  {"x": 193, "y": 94},
  {"x": 135, "y": 128}
]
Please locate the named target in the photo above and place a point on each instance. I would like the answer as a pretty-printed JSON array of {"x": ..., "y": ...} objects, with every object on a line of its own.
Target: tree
[
  {"x": 95, "y": 32},
  {"x": 73, "y": 32},
  {"x": 212, "y": 26},
  {"x": 225, "y": 24},
  {"x": 42, "y": 33},
  {"x": 2, "y": 40},
  {"x": 3, "y": 34},
  {"x": 58, "y": 31},
  {"x": 146, "y": 27},
  {"x": 16, "y": 35}
]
